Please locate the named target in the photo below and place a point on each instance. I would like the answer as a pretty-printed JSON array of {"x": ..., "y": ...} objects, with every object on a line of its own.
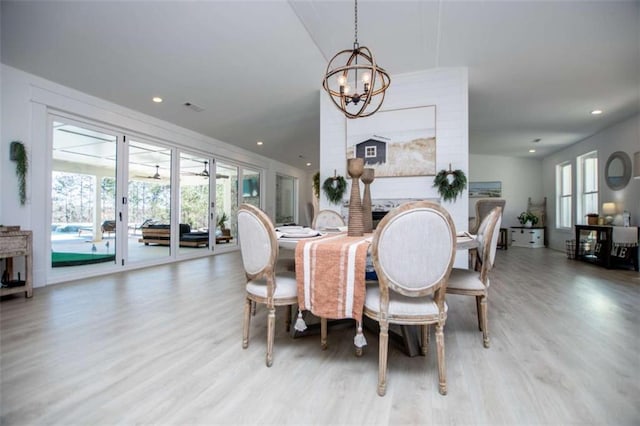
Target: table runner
[{"x": 330, "y": 272}]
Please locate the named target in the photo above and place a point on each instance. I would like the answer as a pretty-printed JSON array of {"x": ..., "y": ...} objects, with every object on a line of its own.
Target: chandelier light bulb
[
  {"x": 366, "y": 77},
  {"x": 342, "y": 80}
]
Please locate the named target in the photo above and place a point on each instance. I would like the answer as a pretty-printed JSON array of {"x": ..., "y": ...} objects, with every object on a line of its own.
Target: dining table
[{"x": 330, "y": 273}]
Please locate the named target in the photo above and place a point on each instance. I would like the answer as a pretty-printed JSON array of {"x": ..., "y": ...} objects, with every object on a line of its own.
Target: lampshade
[
  {"x": 636, "y": 165},
  {"x": 608, "y": 208}
]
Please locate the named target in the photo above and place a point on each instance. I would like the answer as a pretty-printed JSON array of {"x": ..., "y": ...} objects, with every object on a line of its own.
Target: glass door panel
[
  {"x": 148, "y": 201},
  {"x": 251, "y": 187},
  {"x": 285, "y": 199},
  {"x": 226, "y": 203},
  {"x": 194, "y": 203},
  {"x": 83, "y": 194}
]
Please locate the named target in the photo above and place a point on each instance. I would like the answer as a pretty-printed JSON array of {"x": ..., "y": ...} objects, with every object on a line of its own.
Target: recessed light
[
  {"x": 260, "y": 142},
  {"x": 532, "y": 150},
  {"x": 596, "y": 112},
  {"x": 308, "y": 164},
  {"x": 157, "y": 99}
]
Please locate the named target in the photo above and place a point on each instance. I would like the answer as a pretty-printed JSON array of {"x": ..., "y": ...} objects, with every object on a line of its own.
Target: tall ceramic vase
[
  {"x": 355, "y": 167},
  {"x": 366, "y": 178}
]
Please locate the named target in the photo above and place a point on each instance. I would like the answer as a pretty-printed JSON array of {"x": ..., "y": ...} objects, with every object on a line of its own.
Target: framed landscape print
[
  {"x": 395, "y": 143},
  {"x": 485, "y": 189}
]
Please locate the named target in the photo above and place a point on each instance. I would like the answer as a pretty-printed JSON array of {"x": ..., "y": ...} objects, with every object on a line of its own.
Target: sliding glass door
[
  {"x": 195, "y": 199},
  {"x": 118, "y": 199},
  {"x": 83, "y": 195},
  {"x": 148, "y": 201},
  {"x": 285, "y": 199},
  {"x": 226, "y": 203}
]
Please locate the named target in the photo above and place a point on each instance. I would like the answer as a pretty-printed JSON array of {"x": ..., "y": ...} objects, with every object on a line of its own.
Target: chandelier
[{"x": 358, "y": 87}]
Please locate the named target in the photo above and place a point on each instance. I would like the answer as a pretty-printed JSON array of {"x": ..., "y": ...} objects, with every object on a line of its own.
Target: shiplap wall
[{"x": 447, "y": 89}]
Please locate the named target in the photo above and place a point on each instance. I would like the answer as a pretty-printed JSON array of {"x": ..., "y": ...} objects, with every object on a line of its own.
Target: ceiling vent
[{"x": 193, "y": 107}]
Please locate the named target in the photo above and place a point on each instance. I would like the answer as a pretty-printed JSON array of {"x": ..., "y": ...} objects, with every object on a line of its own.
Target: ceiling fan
[
  {"x": 205, "y": 173},
  {"x": 155, "y": 176}
]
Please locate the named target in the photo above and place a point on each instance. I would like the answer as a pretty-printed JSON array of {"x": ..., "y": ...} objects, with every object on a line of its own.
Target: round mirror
[{"x": 617, "y": 171}]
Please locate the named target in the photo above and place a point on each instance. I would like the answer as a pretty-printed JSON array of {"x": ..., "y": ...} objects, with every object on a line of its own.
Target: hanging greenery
[
  {"x": 334, "y": 188},
  {"x": 316, "y": 184},
  {"x": 450, "y": 190},
  {"x": 19, "y": 155}
]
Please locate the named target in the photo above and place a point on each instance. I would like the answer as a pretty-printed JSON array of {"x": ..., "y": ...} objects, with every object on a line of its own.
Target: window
[
  {"x": 285, "y": 199},
  {"x": 370, "y": 152},
  {"x": 563, "y": 191},
  {"x": 587, "y": 183}
]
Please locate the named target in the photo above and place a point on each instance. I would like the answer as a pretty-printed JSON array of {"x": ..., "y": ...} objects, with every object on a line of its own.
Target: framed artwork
[
  {"x": 395, "y": 143},
  {"x": 485, "y": 189}
]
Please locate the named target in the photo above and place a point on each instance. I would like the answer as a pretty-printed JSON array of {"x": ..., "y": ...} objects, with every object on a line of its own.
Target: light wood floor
[{"x": 163, "y": 345}]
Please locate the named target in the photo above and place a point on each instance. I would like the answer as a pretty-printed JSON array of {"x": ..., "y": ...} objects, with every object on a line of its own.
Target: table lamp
[{"x": 608, "y": 209}]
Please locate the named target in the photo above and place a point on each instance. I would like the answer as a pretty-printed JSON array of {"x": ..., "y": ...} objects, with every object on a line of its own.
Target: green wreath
[
  {"x": 450, "y": 190},
  {"x": 334, "y": 188},
  {"x": 316, "y": 184}
]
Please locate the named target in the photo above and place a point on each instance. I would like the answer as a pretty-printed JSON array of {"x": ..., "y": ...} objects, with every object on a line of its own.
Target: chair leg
[
  {"x": 271, "y": 322},
  {"x": 246, "y": 323},
  {"x": 478, "y": 312},
  {"x": 442, "y": 378},
  {"x": 485, "y": 322},
  {"x": 425, "y": 338},
  {"x": 473, "y": 259},
  {"x": 323, "y": 333},
  {"x": 382, "y": 358},
  {"x": 288, "y": 320}
]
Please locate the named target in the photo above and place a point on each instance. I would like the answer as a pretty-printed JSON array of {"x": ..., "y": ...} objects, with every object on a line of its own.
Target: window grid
[
  {"x": 588, "y": 200},
  {"x": 370, "y": 152},
  {"x": 563, "y": 190}
]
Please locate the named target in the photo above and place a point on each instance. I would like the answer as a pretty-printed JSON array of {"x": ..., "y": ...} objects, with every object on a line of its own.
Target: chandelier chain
[{"x": 355, "y": 43}]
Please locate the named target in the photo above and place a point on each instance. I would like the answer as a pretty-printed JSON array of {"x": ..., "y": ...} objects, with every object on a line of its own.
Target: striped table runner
[{"x": 331, "y": 275}]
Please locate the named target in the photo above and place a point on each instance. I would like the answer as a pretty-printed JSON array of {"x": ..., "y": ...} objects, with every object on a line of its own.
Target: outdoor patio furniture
[{"x": 160, "y": 234}]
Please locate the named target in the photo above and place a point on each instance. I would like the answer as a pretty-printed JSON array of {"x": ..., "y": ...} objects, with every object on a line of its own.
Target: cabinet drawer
[
  {"x": 13, "y": 244},
  {"x": 527, "y": 237}
]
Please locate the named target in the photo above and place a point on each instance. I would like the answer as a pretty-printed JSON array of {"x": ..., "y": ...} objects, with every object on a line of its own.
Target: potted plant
[
  {"x": 222, "y": 224},
  {"x": 528, "y": 219},
  {"x": 18, "y": 153}
]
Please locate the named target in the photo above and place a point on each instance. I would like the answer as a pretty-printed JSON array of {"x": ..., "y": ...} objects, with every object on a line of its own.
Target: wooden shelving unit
[{"x": 15, "y": 243}]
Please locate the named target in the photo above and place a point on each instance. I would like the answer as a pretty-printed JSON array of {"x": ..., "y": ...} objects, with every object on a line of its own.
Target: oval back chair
[
  {"x": 473, "y": 283},
  {"x": 327, "y": 218},
  {"x": 259, "y": 249},
  {"x": 413, "y": 252}
]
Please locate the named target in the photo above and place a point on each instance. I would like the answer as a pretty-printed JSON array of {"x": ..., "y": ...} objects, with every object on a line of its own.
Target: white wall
[
  {"x": 624, "y": 136},
  {"x": 26, "y": 99},
  {"x": 447, "y": 89},
  {"x": 520, "y": 177}
]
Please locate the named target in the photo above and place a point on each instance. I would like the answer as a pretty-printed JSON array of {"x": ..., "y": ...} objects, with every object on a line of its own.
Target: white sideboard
[{"x": 522, "y": 236}]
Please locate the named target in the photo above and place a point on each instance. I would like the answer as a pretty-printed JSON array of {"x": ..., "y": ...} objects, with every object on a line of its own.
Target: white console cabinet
[{"x": 527, "y": 237}]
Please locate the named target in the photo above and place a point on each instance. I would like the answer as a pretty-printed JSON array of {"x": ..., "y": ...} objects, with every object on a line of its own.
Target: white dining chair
[
  {"x": 413, "y": 252},
  {"x": 259, "y": 249},
  {"x": 470, "y": 282},
  {"x": 327, "y": 219}
]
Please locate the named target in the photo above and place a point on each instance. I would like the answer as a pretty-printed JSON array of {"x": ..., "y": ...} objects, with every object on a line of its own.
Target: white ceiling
[{"x": 536, "y": 68}]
